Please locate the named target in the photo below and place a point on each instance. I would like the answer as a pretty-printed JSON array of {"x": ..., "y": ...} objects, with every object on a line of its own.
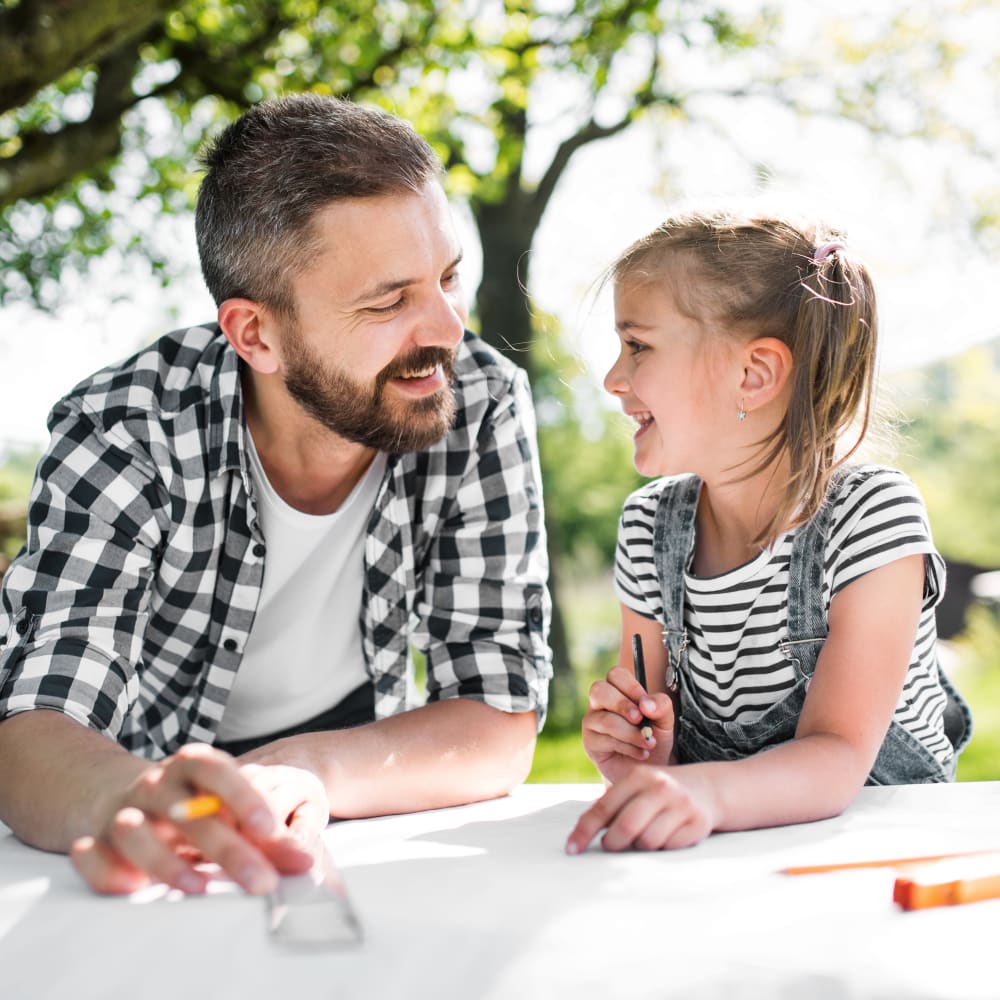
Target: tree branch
[
  {"x": 645, "y": 97},
  {"x": 48, "y": 159},
  {"x": 40, "y": 40}
]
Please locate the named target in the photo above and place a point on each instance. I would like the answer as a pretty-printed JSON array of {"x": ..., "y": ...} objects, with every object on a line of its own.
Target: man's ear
[
  {"x": 767, "y": 366},
  {"x": 248, "y": 326}
]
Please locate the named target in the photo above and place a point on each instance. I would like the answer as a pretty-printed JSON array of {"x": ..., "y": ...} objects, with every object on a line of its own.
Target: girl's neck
[{"x": 730, "y": 518}]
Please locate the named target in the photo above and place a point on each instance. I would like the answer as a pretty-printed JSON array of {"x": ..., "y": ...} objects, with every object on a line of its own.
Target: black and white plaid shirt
[{"x": 129, "y": 606}]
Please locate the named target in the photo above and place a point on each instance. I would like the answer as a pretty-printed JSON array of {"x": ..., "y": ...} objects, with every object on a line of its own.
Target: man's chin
[{"x": 421, "y": 425}]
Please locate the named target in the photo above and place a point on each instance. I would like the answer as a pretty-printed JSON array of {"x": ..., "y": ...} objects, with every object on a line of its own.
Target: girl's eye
[{"x": 634, "y": 347}]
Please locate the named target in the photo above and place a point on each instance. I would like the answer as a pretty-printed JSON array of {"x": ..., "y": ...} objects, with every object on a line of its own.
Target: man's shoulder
[
  {"x": 175, "y": 371},
  {"x": 480, "y": 367}
]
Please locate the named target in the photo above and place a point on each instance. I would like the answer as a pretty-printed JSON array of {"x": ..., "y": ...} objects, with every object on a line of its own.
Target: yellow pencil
[{"x": 196, "y": 807}]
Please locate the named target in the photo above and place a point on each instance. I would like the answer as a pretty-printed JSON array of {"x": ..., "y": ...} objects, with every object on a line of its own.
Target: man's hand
[
  {"x": 611, "y": 736},
  {"x": 270, "y": 823}
]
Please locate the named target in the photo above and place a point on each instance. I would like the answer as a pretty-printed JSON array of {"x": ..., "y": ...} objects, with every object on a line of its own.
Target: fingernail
[
  {"x": 258, "y": 881},
  {"x": 190, "y": 883},
  {"x": 647, "y": 705},
  {"x": 634, "y": 715},
  {"x": 571, "y": 847}
]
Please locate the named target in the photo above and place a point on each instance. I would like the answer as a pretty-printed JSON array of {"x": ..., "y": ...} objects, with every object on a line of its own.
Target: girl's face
[{"x": 677, "y": 380}]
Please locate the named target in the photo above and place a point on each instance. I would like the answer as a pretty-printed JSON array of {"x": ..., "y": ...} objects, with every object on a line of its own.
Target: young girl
[{"x": 784, "y": 599}]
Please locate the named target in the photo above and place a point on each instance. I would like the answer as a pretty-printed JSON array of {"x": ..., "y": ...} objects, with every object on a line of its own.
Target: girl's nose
[{"x": 615, "y": 381}]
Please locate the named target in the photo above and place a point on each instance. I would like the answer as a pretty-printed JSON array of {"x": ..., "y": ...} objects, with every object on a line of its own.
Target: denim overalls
[{"x": 700, "y": 737}]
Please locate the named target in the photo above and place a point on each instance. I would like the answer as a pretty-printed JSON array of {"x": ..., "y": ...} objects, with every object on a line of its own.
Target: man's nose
[{"x": 441, "y": 325}]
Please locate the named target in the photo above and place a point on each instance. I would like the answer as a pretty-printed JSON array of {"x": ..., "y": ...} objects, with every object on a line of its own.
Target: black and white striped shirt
[
  {"x": 736, "y": 621},
  {"x": 129, "y": 606}
]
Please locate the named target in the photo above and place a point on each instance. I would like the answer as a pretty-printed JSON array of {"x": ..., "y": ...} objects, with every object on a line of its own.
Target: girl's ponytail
[{"x": 833, "y": 344}]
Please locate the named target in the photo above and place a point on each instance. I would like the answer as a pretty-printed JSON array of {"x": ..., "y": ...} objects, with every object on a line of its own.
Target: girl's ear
[
  {"x": 767, "y": 365},
  {"x": 247, "y": 325}
]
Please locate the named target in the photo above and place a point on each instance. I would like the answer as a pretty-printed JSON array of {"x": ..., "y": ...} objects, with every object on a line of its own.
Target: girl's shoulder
[
  {"x": 647, "y": 496},
  {"x": 852, "y": 476},
  {"x": 858, "y": 487}
]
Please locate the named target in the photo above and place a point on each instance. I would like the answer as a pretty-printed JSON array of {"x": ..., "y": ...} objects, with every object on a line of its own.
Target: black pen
[{"x": 639, "y": 666}]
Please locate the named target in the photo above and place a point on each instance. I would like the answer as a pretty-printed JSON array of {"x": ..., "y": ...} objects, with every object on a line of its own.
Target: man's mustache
[{"x": 418, "y": 360}]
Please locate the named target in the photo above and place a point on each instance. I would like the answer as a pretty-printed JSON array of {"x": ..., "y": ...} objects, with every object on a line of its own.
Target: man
[{"x": 236, "y": 535}]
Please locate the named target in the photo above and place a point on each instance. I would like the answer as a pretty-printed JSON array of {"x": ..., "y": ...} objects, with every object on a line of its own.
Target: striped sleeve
[
  {"x": 880, "y": 517},
  {"x": 635, "y": 570}
]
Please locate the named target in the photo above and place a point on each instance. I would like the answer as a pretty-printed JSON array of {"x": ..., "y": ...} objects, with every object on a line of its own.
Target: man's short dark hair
[{"x": 274, "y": 168}]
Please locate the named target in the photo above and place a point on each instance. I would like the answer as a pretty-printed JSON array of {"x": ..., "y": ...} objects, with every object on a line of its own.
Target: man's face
[{"x": 380, "y": 314}]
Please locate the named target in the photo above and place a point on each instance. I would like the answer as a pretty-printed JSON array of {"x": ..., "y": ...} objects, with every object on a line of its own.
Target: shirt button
[
  {"x": 22, "y": 626},
  {"x": 535, "y": 616},
  {"x": 230, "y": 645},
  {"x": 259, "y": 550}
]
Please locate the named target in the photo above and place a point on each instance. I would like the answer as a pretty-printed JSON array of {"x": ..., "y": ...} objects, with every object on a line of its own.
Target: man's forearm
[
  {"x": 443, "y": 754},
  {"x": 58, "y": 779}
]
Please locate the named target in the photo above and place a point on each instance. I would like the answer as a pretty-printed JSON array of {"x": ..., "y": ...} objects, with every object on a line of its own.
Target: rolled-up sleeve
[
  {"x": 485, "y": 607},
  {"x": 74, "y": 600}
]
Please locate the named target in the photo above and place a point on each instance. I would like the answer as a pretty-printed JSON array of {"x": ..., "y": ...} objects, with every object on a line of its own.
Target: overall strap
[
  {"x": 807, "y": 611},
  {"x": 673, "y": 536}
]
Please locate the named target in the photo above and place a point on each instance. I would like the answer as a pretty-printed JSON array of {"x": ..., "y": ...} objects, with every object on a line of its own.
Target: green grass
[
  {"x": 559, "y": 759},
  {"x": 978, "y": 679}
]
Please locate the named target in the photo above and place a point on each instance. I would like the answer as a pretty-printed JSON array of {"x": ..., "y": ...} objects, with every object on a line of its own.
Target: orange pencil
[
  {"x": 883, "y": 863},
  {"x": 949, "y": 883},
  {"x": 196, "y": 807}
]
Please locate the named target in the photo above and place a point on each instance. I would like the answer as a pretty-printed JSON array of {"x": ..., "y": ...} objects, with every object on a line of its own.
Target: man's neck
[{"x": 309, "y": 467}]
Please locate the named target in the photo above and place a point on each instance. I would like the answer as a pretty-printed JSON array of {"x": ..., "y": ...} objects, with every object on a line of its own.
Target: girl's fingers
[
  {"x": 607, "y": 732},
  {"x": 653, "y": 808},
  {"x": 605, "y": 697},
  {"x": 598, "y": 816},
  {"x": 659, "y": 709},
  {"x": 627, "y": 808}
]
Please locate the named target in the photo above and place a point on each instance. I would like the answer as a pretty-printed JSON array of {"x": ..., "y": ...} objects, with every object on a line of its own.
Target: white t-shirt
[
  {"x": 736, "y": 621},
  {"x": 304, "y": 651}
]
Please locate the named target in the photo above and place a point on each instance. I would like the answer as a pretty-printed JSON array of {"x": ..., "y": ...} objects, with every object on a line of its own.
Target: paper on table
[{"x": 313, "y": 911}]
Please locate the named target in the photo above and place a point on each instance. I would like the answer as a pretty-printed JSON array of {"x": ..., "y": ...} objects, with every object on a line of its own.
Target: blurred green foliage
[{"x": 951, "y": 441}]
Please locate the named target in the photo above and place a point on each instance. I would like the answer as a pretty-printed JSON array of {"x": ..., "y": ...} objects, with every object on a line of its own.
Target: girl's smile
[{"x": 671, "y": 377}]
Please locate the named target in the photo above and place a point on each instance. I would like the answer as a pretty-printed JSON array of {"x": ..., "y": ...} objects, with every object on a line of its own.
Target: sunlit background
[{"x": 883, "y": 119}]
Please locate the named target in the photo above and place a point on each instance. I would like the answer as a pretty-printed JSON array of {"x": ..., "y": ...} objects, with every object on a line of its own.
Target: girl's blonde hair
[{"x": 750, "y": 276}]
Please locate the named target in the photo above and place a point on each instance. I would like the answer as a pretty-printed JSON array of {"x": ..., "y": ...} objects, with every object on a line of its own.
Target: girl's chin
[{"x": 646, "y": 466}]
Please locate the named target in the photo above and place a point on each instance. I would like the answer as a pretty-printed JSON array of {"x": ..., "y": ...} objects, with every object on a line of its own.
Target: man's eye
[{"x": 383, "y": 310}]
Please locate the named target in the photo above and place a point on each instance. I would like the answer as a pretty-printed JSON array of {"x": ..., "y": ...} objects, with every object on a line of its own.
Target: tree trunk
[{"x": 506, "y": 233}]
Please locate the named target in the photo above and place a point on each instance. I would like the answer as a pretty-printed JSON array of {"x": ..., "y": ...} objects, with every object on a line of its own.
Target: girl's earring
[{"x": 741, "y": 413}]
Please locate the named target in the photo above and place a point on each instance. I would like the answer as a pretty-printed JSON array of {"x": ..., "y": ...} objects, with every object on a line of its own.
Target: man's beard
[{"x": 361, "y": 413}]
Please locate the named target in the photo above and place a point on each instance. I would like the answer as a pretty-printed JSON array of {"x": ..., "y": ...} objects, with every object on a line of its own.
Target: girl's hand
[
  {"x": 611, "y": 736},
  {"x": 650, "y": 809}
]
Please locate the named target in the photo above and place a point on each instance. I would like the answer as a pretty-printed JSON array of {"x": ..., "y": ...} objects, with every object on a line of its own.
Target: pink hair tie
[{"x": 824, "y": 251}]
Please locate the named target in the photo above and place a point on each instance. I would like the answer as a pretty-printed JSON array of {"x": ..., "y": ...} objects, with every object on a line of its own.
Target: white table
[{"x": 481, "y": 903}]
